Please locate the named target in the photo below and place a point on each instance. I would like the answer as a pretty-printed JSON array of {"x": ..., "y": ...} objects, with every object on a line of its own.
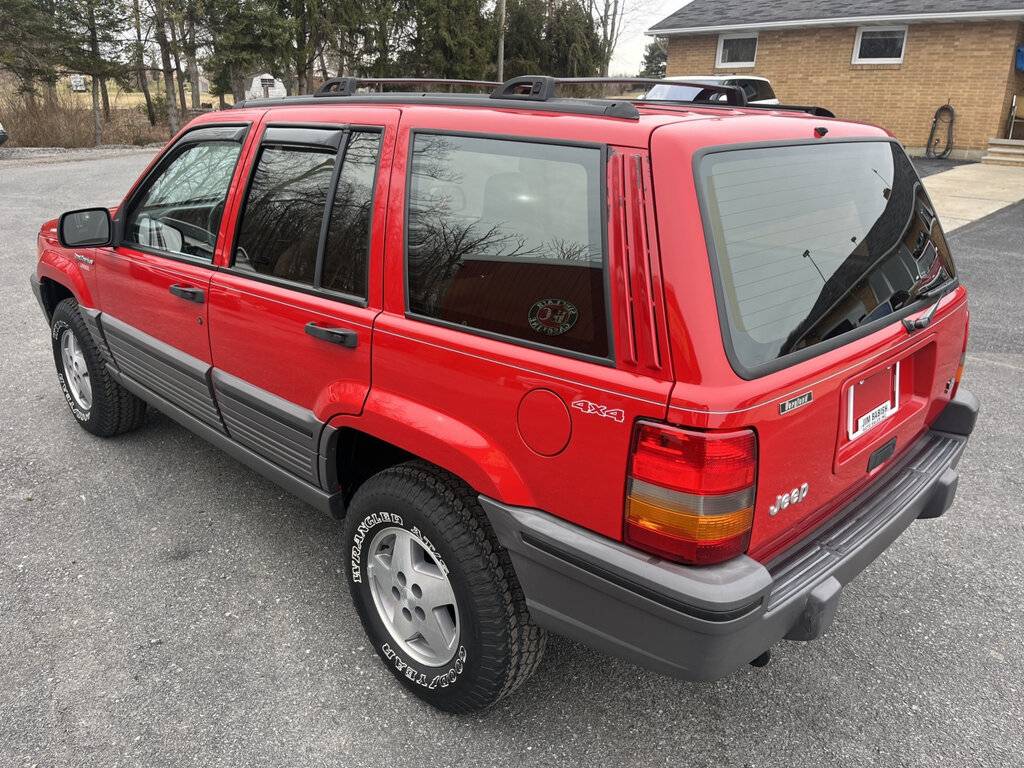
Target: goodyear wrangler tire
[
  {"x": 435, "y": 591},
  {"x": 98, "y": 403}
]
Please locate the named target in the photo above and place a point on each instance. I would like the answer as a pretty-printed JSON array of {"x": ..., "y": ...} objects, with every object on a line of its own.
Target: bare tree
[
  {"x": 611, "y": 19},
  {"x": 160, "y": 23},
  {"x": 139, "y": 61}
]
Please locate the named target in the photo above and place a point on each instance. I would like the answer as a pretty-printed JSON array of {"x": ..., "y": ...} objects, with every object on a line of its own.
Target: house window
[
  {"x": 737, "y": 50},
  {"x": 879, "y": 45}
]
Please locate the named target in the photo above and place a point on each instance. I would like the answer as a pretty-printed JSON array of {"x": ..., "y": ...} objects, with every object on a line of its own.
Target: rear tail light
[{"x": 691, "y": 494}]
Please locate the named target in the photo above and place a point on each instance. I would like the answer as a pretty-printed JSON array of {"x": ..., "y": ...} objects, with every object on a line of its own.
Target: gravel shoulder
[{"x": 22, "y": 156}]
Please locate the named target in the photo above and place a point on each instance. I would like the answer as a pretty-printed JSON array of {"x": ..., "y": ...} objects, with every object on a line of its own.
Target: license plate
[{"x": 872, "y": 401}]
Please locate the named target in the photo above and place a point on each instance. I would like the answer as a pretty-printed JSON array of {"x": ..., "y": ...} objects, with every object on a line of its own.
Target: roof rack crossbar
[
  {"x": 809, "y": 109},
  {"x": 349, "y": 86},
  {"x": 542, "y": 88}
]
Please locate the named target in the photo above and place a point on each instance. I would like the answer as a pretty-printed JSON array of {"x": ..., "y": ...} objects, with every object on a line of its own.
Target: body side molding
[
  {"x": 279, "y": 430},
  {"x": 169, "y": 372}
]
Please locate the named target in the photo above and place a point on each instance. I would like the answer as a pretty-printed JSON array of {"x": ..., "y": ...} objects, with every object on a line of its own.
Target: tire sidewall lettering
[
  {"x": 429, "y": 678},
  {"x": 424, "y": 679},
  {"x": 58, "y": 329},
  {"x": 366, "y": 525}
]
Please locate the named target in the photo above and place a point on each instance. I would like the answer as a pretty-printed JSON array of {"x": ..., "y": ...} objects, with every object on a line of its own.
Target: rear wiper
[{"x": 932, "y": 297}]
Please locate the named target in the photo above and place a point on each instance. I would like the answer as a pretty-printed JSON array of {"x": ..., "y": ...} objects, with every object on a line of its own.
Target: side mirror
[{"x": 87, "y": 228}]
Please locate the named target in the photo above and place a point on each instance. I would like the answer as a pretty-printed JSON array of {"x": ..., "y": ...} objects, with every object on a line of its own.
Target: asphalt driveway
[{"x": 160, "y": 604}]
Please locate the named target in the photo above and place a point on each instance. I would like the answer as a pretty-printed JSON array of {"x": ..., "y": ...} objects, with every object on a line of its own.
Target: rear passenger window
[
  {"x": 506, "y": 237},
  {"x": 280, "y": 226}
]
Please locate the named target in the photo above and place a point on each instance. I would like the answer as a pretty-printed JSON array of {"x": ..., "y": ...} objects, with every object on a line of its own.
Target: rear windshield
[{"x": 811, "y": 242}]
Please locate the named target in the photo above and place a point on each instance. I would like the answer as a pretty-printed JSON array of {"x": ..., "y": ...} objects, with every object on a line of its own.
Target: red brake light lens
[
  {"x": 691, "y": 494},
  {"x": 701, "y": 463}
]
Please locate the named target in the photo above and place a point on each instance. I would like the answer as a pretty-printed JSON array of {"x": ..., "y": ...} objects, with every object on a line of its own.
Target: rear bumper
[{"x": 703, "y": 623}]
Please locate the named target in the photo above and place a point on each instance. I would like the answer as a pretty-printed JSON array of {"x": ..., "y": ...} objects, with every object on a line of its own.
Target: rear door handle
[
  {"x": 343, "y": 336},
  {"x": 188, "y": 293}
]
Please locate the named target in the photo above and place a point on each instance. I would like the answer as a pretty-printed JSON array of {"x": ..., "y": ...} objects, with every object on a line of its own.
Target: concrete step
[
  {"x": 1001, "y": 149},
  {"x": 1011, "y": 160}
]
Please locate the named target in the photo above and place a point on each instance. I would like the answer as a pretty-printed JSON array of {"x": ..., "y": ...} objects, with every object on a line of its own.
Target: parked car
[
  {"x": 3, "y": 134},
  {"x": 758, "y": 90},
  {"x": 663, "y": 380}
]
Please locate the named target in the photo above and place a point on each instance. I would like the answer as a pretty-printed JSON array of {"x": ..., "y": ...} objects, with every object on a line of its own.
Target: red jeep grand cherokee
[{"x": 662, "y": 377}]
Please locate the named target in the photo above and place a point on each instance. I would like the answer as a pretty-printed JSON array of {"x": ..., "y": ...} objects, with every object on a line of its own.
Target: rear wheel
[
  {"x": 435, "y": 591},
  {"x": 98, "y": 403}
]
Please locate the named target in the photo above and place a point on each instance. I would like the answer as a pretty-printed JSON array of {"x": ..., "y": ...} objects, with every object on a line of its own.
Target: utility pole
[{"x": 501, "y": 41}]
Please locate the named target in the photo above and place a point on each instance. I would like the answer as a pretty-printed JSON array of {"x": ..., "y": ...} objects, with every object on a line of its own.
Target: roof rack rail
[
  {"x": 538, "y": 91},
  {"x": 349, "y": 86},
  {"x": 543, "y": 88},
  {"x": 811, "y": 110}
]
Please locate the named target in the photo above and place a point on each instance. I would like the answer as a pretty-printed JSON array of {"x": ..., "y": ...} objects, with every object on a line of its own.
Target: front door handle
[
  {"x": 188, "y": 293},
  {"x": 342, "y": 336}
]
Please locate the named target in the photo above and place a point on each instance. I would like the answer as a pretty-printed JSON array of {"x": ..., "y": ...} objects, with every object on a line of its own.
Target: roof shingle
[{"x": 723, "y": 13}]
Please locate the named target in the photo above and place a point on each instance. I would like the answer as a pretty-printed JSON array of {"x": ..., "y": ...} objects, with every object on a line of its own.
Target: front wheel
[
  {"x": 98, "y": 403},
  {"x": 435, "y": 591}
]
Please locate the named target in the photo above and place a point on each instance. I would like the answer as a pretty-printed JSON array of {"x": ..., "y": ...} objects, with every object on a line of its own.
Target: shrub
[{"x": 55, "y": 119}]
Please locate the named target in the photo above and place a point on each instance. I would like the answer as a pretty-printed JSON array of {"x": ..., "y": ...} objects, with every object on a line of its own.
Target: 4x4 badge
[
  {"x": 596, "y": 409},
  {"x": 795, "y": 402}
]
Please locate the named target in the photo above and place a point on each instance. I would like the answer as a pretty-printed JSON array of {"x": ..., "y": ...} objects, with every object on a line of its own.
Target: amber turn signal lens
[{"x": 688, "y": 526}]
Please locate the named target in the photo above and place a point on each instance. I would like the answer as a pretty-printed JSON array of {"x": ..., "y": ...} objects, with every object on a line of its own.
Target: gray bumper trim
[{"x": 703, "y": 623}]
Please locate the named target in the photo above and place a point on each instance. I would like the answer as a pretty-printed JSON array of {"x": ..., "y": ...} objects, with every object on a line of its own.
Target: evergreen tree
[
  {"x": 30, "y": 43},
  {"x": 452, "y": 39},
  {"x": 655, "y": 59},
  {"x": 573, "y": 47},
  {"x": 525, "y": 49},
  {"x": 242, "y": 40}
]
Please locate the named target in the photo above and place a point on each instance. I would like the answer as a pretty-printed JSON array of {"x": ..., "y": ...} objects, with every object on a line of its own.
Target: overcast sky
[{"x": 630, "y": 51}]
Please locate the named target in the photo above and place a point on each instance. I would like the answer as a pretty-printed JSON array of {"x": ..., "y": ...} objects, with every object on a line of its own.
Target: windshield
[{"x": 814, "y": 241}]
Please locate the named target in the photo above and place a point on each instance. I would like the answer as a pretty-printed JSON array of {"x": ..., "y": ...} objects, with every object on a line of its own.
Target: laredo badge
[
  {"x": 553, "y": 317},
  {"x": 796, "y": 402}
]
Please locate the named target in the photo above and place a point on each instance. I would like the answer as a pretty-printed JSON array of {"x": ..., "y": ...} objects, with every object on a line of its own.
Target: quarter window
[
  {"x": 506, "y": 237},
  {"x": 737, "y": 50},
  {"x": 879, "y": 45},
  {"x": 181, "y": 210}
]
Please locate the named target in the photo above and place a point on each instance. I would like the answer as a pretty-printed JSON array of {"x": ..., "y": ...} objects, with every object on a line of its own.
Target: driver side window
[{"x": 180, "y": 211}]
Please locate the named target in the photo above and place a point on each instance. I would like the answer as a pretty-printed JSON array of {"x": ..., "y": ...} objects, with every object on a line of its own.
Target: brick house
[{"x": 888, "y": 62}]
